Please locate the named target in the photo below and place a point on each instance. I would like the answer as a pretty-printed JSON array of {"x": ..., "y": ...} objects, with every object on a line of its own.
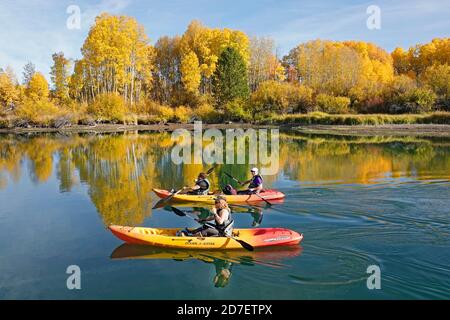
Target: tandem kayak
[
  {"x": 161, "y": 237},
  {"x": 266, "y": 194}
]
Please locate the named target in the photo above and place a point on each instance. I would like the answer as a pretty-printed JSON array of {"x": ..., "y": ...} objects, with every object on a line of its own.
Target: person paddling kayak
[
  {"x": 221, "y": 215},
  {"x": 255, "y": 183},
  {"x": 201, "y": 186}
]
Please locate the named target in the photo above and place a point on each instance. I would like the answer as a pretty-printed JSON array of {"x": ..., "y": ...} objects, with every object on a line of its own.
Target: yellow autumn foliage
[
  {"x": 37, "y": 87},
  {"x": 108, "y": 106},
  {"x": 206, "y": 44},
  {"x": 9, "y": 93},
  {"x": 418, "y": 58},
  {"x": 191, "y": 71}
]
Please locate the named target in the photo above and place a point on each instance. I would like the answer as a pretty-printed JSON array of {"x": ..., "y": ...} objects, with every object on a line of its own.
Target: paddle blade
[
  {"x": 210, "y": 170},
  {"x": 178, "y": 212},
  {"x": 245, "y": 245},
  {"x": 159, "y": 204},
  {"x": 268, "y": 203}
]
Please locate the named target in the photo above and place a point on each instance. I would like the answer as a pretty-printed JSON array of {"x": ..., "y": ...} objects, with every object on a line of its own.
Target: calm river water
[{"x": 359, "y": 201}]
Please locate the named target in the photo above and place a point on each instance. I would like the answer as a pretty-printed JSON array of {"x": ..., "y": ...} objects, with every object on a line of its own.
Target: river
[{"x": 359, "y": 201}]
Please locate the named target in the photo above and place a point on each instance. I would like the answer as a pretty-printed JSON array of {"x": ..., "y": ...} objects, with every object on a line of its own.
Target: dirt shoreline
[
  {"x": 424, "y": 130},
  {"x": 433, "y": 130}
]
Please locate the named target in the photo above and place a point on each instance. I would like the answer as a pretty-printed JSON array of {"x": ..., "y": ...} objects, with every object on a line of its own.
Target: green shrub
[
  {"x": 416, "y": 100},
  {"x": 331, "y": 104},
  {"x": 437, "y": 77},
  {"x": 423, "y": 98},
  {"x": 237, "y": 110}
]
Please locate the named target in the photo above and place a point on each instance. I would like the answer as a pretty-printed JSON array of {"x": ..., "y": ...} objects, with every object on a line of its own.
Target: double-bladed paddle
[{"x": 244, "y": 244}]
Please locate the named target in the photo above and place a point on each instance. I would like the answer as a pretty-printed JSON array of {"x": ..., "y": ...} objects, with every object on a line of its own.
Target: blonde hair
[{"x": 223, "y": 204}]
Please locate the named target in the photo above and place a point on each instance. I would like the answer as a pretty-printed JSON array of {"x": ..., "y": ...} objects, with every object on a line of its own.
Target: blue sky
[{"x": 31, "y": 30}]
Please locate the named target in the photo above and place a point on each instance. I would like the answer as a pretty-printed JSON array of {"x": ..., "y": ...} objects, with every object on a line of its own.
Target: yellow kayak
[
  {"x": 268, "y": 195},
  {"x": 162, "y": 237}
]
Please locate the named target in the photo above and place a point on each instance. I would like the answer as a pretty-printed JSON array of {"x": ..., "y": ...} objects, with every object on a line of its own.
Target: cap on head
[{"x": 255, "y": 170}]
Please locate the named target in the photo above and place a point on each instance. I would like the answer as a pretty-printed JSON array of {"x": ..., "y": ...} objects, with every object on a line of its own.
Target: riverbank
[
  {"x": 99, "y": 128},
  {"x": 357, "y": 123},
  {"x": 422, "y": 130},
  {"x": 429, "y": 130}
]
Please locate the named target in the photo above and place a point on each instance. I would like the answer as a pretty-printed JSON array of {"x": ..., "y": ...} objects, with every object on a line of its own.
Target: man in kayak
[
  {"x": 201, "y": 185},
  {"x": 255, "y": 183},
  {"x": 223, "y": 223}
]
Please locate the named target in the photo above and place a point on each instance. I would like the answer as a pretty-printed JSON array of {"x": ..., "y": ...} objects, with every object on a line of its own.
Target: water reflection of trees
[
  {"x": 121, "y": 169},
  {"x": 313, "y": 159}
]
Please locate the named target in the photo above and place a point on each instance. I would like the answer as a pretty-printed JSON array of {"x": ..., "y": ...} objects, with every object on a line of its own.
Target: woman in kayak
[
  {"x": 223, "y": 223},
  {"x": 223, "y": 272},
  {"x": 201, "y": 185},
  {"x": 255, "y": 183}
]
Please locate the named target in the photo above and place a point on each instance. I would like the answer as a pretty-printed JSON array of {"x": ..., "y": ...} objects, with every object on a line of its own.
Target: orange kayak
[
  {"x": 162, "y": 237},
  {"x": 209, "y": 198}
]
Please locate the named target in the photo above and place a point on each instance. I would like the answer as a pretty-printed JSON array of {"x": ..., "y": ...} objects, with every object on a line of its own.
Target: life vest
[
  {"x": 226, "y": 228},
  {"x": 253, "y": 184},
  {"x": 203, "y": 189}
]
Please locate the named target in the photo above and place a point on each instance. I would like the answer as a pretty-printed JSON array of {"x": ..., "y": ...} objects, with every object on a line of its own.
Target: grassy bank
[
  {"x": 76, "y": 119},
  {"x": 319, "y": 118}
]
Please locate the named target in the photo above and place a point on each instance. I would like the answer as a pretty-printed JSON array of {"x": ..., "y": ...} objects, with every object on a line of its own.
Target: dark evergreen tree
[{"x": 230, "y": 80}]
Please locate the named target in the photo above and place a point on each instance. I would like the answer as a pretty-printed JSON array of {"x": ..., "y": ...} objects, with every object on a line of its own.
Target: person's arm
[
  {"x": 222, "y": 217},
  {"x": 245, "y": 182},
  {"x": 195, "y": 187},
  {"x": 210, "y": 218}
]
